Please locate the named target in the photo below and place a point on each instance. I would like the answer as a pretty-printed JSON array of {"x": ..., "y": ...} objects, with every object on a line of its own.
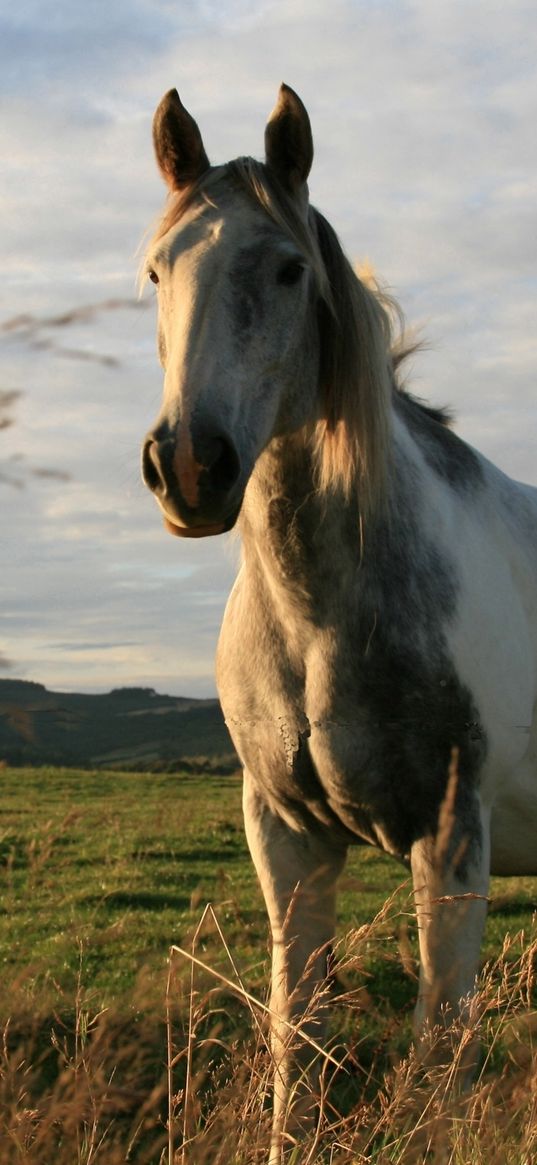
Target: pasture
[{"x": 101, "y": 873}]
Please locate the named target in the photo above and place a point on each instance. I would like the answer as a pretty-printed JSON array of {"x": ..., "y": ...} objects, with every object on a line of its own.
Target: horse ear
[
  {"x": 178, "y": 146},
  {"x": 288, "y": 140}
]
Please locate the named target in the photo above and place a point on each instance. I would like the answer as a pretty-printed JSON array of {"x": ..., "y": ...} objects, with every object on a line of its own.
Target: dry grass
[
  {"x": 79, "y": 1091},
  {"x": 87, "y": 1096},
  {"x": 400, "y": 1115}
]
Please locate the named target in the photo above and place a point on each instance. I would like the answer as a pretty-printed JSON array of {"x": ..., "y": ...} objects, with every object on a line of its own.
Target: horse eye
[
  {"x": 290, "y": 272},
  {"x": 153, "y": 276}
]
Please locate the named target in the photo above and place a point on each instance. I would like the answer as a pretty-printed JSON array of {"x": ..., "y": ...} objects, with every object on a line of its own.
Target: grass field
[{"x": 101, "y": 873}]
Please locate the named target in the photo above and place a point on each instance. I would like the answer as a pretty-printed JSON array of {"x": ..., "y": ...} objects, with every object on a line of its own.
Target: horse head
[{"x": 237, "y": 271}]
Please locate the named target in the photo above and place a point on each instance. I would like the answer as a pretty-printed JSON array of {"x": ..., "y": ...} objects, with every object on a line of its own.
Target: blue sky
[{"x": 424, "y": 119}]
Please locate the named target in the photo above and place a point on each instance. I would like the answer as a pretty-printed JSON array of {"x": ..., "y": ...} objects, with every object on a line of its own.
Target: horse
[{"x": 378, "y": 655}]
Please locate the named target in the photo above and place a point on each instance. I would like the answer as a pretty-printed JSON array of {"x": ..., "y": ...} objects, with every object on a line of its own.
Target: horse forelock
[{"x": 351, "y": 438}]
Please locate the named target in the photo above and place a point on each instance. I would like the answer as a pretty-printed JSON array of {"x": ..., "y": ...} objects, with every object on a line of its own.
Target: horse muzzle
[{"x": 196, "y": 481}]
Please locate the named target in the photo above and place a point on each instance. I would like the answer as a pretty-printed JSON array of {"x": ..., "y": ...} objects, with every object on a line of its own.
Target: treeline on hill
[{"x": 126, "y": 728}]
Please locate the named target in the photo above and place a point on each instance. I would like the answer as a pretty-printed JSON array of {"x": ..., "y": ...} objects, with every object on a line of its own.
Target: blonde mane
[{"x": 351, "y": 438}]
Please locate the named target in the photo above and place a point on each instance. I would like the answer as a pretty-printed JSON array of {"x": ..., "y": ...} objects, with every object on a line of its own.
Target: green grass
[
  {"x": 122, "y": 862},
  {"x": 101, "y": 873},
  {"x": 125, "y": 863}
]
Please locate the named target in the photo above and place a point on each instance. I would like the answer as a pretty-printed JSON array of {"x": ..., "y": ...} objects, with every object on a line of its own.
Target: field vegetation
[{"x": 114, "y": 1051}]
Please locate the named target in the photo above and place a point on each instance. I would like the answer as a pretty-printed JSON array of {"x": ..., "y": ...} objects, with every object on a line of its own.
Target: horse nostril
[
  {"x": 150, "y": 466},
  {"x": 223, "y": 465}
]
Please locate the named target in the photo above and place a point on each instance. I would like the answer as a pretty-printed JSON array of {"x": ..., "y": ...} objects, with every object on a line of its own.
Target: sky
[{"x": 423, "y": 116}]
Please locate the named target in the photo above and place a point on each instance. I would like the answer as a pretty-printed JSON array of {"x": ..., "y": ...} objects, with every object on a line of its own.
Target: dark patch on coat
[
  {"x": 292, "y": 543},
  {"x": 442, "y": 449},
  {"x": 415, "y": 709},
  {"x": 418, "y": 714}
]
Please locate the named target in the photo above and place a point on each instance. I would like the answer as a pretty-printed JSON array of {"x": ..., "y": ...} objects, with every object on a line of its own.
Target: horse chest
[{"x": 359, "y": 740}]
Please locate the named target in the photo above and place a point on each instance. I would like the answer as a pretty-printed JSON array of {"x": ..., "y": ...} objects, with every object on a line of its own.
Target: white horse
[{"x": 383, "y": 626}]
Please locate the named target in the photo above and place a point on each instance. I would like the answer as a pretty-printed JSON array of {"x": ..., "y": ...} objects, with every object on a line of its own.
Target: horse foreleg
[
  {"x": 451, "y": 906},
  {"x": 298, "y": 873}
]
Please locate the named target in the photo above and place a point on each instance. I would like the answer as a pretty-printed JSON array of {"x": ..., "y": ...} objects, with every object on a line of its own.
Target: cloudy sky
[{"x": 424, "y": 116}]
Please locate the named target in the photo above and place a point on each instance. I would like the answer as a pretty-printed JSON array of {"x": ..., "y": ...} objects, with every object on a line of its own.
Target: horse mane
[
  {"x": 361, "y": 332},
  {"x": 356, "y": 378}
]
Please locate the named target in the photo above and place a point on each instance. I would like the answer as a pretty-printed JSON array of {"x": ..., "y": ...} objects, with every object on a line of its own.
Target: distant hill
[{"x": 127, "y": 728}]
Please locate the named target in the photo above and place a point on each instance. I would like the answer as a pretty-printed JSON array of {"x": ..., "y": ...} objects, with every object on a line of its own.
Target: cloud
[{"x": 425, "y": 162}]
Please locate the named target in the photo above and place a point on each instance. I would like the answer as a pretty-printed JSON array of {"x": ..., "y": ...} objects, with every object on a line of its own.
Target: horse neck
[
  {"x": 309, "y": 543},
  {"x": 297, "y": 538}
]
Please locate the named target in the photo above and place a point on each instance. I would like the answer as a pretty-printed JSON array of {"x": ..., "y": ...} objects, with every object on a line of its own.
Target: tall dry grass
[
  {"x": 401, "y": 1113},
  {"x": 194, "y": 1090}
]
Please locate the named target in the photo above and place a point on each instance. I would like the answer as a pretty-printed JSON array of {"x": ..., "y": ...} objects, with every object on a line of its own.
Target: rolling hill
[{"x": 126, "y": 728}]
